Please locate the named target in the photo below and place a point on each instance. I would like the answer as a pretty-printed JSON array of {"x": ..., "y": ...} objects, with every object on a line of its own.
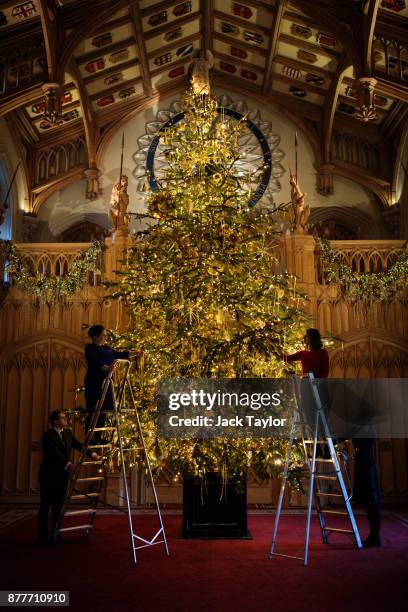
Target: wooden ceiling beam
[
  {"x": 65, "y": 88},
  {"x": 280, "y": 8},
  {"x": 314, "y": 48},
  {"x": 113, "y": 90},
  {"x": 180, "y": 42},
  {"x": 206, "y": 8},
  {"x": 136, "y": 19},
  {"x": 397, "y": 115},
  {"x": 68, "y": 131},
  {"x": 101, "y": 74},
  {"x": 393, "y": 25},
  {"x": 22, "y": 35},
  {"x": 295, "y": 63},
  {"x": 400, "y": 152},
  {"x": 93, "y": 55},
  {"x": 329, "y": 111},
  {"x": 167, "y": 27},
  {"x": 65, "y": 109},
  {"x": 236, "y": 61},
  {"x": 91, "y": 133},
  {"x": 399, "y": 91},
  {"x": 257, "y": 4},
  {"x": 22, "y": 151},
  {"x": 181, "y": 62},
  {"x": 49, "y": 28},
  {"x": 15, "y": 100},
  {"x": 369, "y": 18},
  {"x": 324, "y": 14},
  {"x": 77, "y": 12},
  {"x": 87, "y": 28},
  {"x": 282, "y": 101},
  {"x": 239, "y": 43},
  {"x": 254, "y": 27},
  {"x": 158, "y": 8},
  {"x": 24, "y": 125},
  {"x": 111, "y": 25},
  {"x": 318, "y": 91},
  {"x": 110, "y": 114}
]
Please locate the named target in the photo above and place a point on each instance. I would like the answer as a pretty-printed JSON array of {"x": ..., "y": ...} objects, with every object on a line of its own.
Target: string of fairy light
[
  {"x": 365, "y": 289},
  {"x": 45, "y": 288}
]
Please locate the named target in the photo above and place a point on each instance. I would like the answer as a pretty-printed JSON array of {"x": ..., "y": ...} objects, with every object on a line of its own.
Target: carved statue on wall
[
  {"x": 119, "y": 203},
  {"x": 199, "y": 72},
  {"x": 298, "y": 213},
  {"x": 364, "y": 90},
  {"x": 93, "y": 189}
]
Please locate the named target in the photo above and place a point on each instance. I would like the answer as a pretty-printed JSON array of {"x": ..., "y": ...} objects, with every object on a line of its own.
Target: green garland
[
  {"x": 49, "y": 289},
  {"x": 365, "y": 288}
]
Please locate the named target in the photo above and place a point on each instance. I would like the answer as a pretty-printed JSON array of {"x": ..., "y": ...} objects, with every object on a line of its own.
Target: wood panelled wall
[{"x": 41, "y": 362}]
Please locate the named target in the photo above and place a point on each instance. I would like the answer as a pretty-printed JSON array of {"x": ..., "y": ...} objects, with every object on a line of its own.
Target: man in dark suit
[{"x": 55, "y": 469}]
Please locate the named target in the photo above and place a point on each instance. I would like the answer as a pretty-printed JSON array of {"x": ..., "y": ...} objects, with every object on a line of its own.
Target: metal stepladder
[
  {"x": 69, "y": 510},
  {"x": 315, "y": 438}
]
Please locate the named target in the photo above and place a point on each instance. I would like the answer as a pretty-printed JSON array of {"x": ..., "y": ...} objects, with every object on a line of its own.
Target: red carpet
[{"x": 212, "y": 575}]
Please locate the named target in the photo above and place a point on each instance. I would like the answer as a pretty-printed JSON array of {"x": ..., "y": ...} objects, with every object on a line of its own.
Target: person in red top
[{"x": 315, "y": 358}]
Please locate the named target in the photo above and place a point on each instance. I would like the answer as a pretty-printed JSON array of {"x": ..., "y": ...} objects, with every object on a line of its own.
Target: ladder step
[
  {"x": 76, "y": 528},
  {"x": 91, "y": 479},
  {"x": 79, "y": 512},
  {"x": 92, "y": 462},
  {"x": 334, "y": 512},
  {"x": 329, "y": 494},
  {"x": 338, "y": 530},
  {"x": 319, "y": 460},
  {"x": 104, "y": 428},
  {"x": 318, "y": 441},
  {"x": 83, "y": 496},
  {"x": 324, "y": 477}
]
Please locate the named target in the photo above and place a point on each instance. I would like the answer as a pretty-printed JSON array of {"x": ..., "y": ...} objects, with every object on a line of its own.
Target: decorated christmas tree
[{"x": 204, "y": 290}]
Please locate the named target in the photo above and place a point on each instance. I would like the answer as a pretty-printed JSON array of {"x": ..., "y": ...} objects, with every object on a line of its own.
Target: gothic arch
[
  {"x": 37, "y": 375},
  {"x": 348, "y": 216},
  {"x": 370, "y": 354}
]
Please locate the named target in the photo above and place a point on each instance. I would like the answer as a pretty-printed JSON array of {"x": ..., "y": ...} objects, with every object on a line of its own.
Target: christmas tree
[{"x": 203, "y": 288}]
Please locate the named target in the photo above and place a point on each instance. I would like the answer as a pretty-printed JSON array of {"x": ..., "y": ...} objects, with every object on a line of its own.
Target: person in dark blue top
[{"x": 100, "y": 359}]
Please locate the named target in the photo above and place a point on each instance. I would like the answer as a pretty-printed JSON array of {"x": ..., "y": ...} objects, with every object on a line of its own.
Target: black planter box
[{"x": 214, "y": 513}]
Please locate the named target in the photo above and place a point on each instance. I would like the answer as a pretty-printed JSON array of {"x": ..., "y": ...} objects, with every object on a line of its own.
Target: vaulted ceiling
[{"x": 339, "y": 70}]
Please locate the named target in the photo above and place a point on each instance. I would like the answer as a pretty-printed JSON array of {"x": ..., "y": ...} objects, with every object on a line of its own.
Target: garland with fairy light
[
  {"x": 203, "y": 292},
  {"x": 365, "y": 288},
  {"x": 46, "y": 289}
]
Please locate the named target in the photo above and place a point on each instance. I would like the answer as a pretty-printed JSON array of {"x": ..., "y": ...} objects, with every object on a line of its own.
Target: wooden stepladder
[
  {"x": 317, "y": 437},
  {"x": 85, "y": 488}
]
